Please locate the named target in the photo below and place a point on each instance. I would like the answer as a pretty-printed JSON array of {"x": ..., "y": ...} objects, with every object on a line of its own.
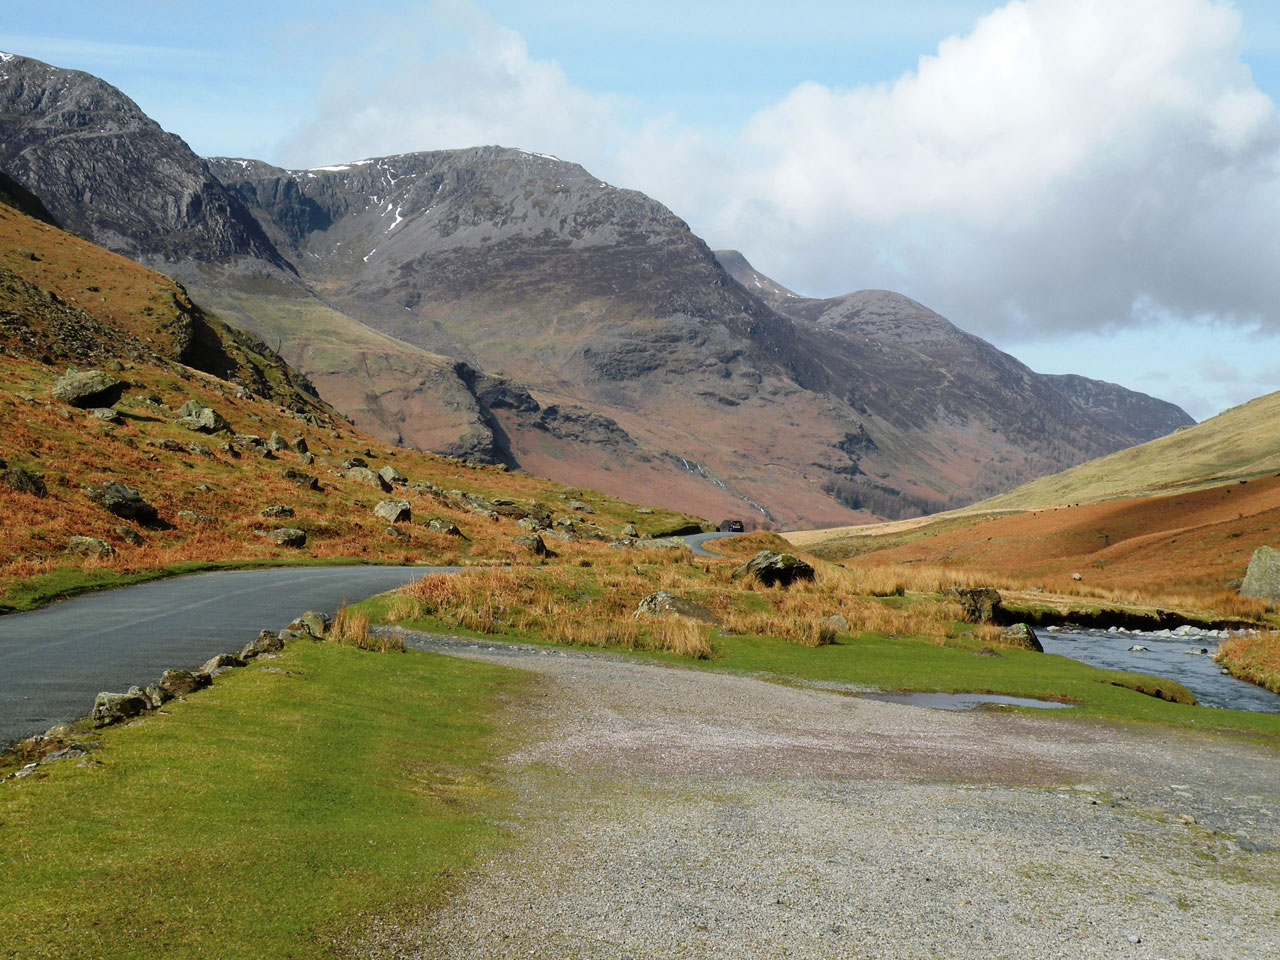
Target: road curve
[
  {"x": 53, "y": 661},
  {"x": 696, "y": 540}
]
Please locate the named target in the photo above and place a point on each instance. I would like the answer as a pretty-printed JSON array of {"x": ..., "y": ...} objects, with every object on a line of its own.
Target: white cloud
[{"x": 1068, "y": 166}]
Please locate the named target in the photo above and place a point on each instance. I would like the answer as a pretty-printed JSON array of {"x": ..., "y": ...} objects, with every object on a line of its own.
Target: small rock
[
  {"x": 393, "y": 476},
  {"x": 1138, "y": 648},
  {"x": 194, "y": 415},
  {"x": 122, "y": 501},
  {"x": 279, "y": 510},
  {"x": 300, "y": 443},
  {"x": 111, "y": 708},
  {"x": 352, "y": 463},
  {"x": 220, "y": 664},
  {"x": 532, "y": 524},
  {"x": 1076, "y": 576},
  {"x": 580, "y": 506},
  {"x": 367, "y": 477},
  {"x": 311, "y": 623},
  {"x": 835, "y": 623},
  {"x": 644, "y": 510},
  {"x": 441, "y": 525},
  {"x": 288, "y": 537},
  {"x": 190, "y": 516},
  {"x": 980, "y": 604},
  {"x": 268, "y": 641},
  {"x": 665, "y": 604},
  {"x": 128, "y": 535},
  {"x": 1021, "y": 634},
  {"x": 531, "y": 542},
  {"x": 303, "y": 480},
  {"x": 277, "y": 442},
  {"x": 393, "y": 511},
  {"x": 89, "y": 547},
  {"x": 1262, "y": 578},
  {"x": 106, "y": 414},
  {"x": 395, "y": 533},
  {"x": 629, "y": 530}
]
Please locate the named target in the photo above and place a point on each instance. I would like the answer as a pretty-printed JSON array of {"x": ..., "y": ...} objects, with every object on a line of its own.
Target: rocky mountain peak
[{"x": 106, "y": 170}]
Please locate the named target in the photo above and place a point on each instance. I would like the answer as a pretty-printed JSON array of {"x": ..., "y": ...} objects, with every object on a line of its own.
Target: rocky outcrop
[
  {"x": 1262, "y": 578},
  {"x": 775, "y": 569}
]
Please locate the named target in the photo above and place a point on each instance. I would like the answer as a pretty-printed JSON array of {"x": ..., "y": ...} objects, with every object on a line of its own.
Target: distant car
[{"x": 735, "y": 526}]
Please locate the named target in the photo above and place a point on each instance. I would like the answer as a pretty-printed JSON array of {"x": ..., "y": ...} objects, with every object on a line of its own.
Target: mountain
[{"x": 512, "y": 307}]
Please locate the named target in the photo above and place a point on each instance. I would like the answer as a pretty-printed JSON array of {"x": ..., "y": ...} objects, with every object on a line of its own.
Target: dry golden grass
[
  {"x": 1253, "y": 656},
  {"x": 351, "y": 626}
]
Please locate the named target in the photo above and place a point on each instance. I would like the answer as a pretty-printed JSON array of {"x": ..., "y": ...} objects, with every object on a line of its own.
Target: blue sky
[{"x": 1089, "y": 185}]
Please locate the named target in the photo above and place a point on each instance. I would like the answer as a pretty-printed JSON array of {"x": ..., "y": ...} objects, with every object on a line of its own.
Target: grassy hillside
[{"x": 67, "y": 303}]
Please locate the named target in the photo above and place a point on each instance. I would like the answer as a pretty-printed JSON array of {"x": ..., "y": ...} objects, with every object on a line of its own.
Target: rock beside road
[{"x": 775, "y": 569}]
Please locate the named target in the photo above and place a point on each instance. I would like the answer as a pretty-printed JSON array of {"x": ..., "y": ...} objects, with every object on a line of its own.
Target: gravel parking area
[{"x": 682, "y": 813}]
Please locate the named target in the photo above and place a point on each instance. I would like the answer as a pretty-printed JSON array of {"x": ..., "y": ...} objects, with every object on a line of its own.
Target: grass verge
[{"x": 270, "y": 816}]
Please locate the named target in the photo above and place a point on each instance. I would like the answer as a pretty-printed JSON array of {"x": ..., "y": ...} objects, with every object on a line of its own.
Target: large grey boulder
[
  {"x": 980, "y": 604},
  {"x": 393, "y": 476},
  {"x": 394, "y": 511},
  {"x": 122, "y": 501},
  {"x": 1262, "y": 579},
  {"x": 367, "y": 477},
  {"x": 111, "y": 708},
  {"x": 92, "y": 388},
  {"x": 775, "y": 569},
  {"x": 194, "y": 415},
  {"x": 666, "y": 604}
]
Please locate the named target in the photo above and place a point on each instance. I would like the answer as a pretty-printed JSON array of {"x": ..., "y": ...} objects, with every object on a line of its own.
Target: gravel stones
[{"x": 92, "y": 388}]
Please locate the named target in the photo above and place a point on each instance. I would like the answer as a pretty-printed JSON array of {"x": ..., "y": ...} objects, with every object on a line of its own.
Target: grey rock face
[
  {"x": 122, "y": 501},
  {"x": 1262, "y": 579},
  {"x": 775, "y": 569},
  {"x": 87, "y": 389},
  {"x": 666, "y": 604}
]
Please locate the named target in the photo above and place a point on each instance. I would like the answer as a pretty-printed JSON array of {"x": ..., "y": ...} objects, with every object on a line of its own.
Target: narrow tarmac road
[{"x": 55, "y": 660}]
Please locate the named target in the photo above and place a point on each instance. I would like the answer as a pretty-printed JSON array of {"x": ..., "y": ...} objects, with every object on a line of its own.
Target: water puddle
[{"x": 963, "y": 701}]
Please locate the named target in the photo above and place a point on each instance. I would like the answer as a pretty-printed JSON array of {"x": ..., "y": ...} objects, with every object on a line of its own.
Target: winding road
[{"x": 55, "y": 660}]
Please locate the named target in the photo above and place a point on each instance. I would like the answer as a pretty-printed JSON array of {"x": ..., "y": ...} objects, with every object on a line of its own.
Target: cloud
[{"x": 1065, "y": 166}]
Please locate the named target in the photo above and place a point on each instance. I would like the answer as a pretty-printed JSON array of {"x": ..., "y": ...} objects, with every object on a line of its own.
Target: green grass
[{"x": 266, "y": 817}]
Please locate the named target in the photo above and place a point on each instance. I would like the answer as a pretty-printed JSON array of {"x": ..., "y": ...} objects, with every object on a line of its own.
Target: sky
[{"x": 1091, "y": 185}]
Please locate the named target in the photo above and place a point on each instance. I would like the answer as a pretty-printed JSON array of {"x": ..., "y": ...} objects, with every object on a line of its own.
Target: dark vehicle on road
[{"x": 735, "y": 526}]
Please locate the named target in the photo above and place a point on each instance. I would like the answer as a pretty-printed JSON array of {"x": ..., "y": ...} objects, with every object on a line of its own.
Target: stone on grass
[
  {"x": 279, "y": 510},
  {"x": 220, "y": 664},
  {"x": 1021, "y": 635},
  {"x": 630, "y": 530},
  {"x": 311, "y": 624},
  {"x": 367, "y": 477},
  {"x": 190, "y": 516},
  {"x": 268, "y": 641},
  {"x": 128, "y": 535},
  {"x": 531, "y": 542},
  {"x": 111, "y": 708},
  {"x": 352, "y": 462},
  {"x": 194, "y": 415},
  {"x": 395, "y": 533},
  {"x": 775, "y": 569},
  {"x": 106, "y": 414},
  {"x": 300, "y": 443},
  {"x": 391, "y": 475},
  {"x": 122, "y": 501},
  {"x": 303, "y": 480},
  {"x": 980, "y": 604},
  {"x": 89, "y": 547},
  {"x": 92, "y": 388},
  {"x": 179, "y": 683},
  {"x": 394, "y": 511},
  {"x": 666, "y": 604},
  {"x": 441, "y": 525},
  {"x": 580, "y": 506},
  {"x": 24, "y": 481},
  {"x": 532, "y": 524},
  {"x": 1262, "y": 579},
  {"x": 288, "y": 537},
  {"x": 277, "y": 442}
]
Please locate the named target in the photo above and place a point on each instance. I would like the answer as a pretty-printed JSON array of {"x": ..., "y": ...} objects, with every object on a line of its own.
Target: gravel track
[{"x": 666, "y": 812}]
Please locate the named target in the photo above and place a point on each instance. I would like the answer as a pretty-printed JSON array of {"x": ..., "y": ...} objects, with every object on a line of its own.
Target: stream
[{"x": 1166, "y": 655}]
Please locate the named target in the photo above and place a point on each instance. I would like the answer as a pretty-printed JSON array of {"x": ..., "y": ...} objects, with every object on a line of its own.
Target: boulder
[
  {"x": 352, "y": 462},
  {"x": 288, "y": 537},
  {"x": 980, "y": 604},
  {"x": 303, "y": 480},
  {"x": 300, "y": 443},
  {"x": 441, "y": 525},
  {"x": 1021, "y": 635},
  {"x": 89, "y": 547},
  {"x": 393, "y": 476},
  {"x": 775, "y": 569},
  {"x": 1262, "y": 579},
  {"x": 394, "y": 511},
  {"x": 179, "y": 683},
  {"x": 395, "y": 533},
  {"x": 367, "y": 477},
  {"x": 279, "y": 510},
  {"x": 23, "y": 481},
  {"x": 580, "y": 506},
  {"x": 312, "y": 624},
  {"x": 220, "y": 664},
  {"x": 106, "y": 414},
  {"x": 532, "y": 524},
  {"x": 128, "y": 535},
  {"x": 661, "y": 543},
  {"x": 156, "y": 695},
  {"x": 111, "y": 708},
  {"x": 268, "y": 641},
  {"x": 190, "y": 516},
  {"x": 666, "y": 604},
  {"x": 122, "y": 501},
  {"x": 277, "y": 442},
  {"x": 194, "y": 415},
  {"x": 531, "y": 542},
  {"x": 92, "y": 388},
  {"x": 835, "y": 623},
  {"x": 630, "y": 530}
]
